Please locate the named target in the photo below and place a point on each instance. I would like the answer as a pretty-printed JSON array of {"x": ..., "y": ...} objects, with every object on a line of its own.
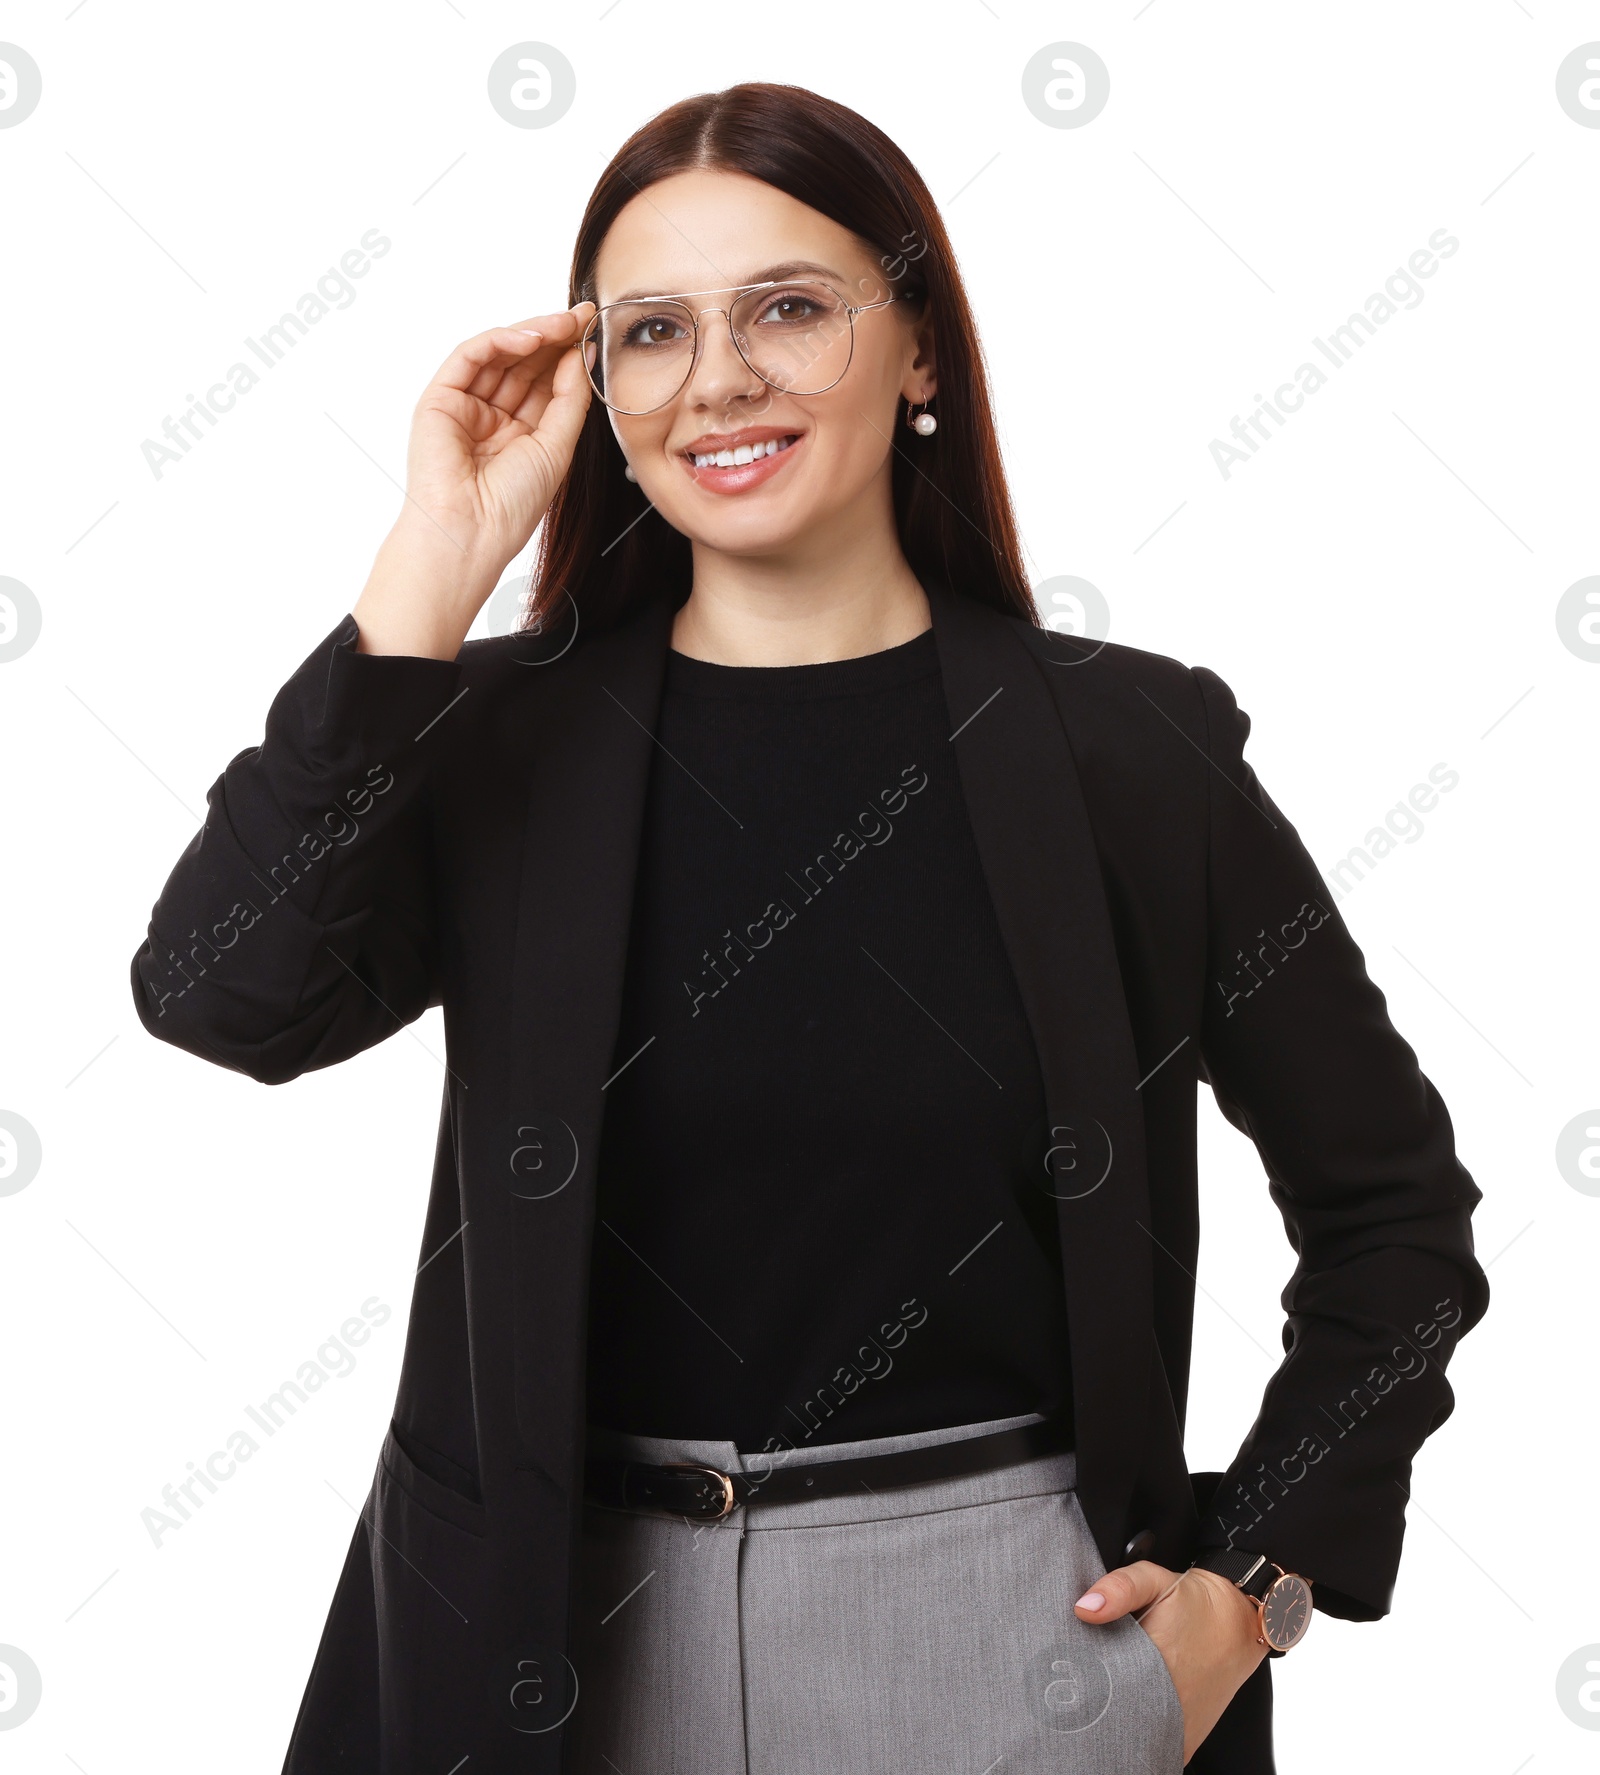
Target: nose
[{"x": 720, "y": 376}]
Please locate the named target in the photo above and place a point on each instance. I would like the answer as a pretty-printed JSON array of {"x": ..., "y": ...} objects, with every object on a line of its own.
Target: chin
[{"x": 750, "y": 531}]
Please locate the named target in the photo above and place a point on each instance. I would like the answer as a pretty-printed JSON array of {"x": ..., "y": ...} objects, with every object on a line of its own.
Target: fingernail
[
  {"x": 1094, "y": 1600},
  {"x": 530, "y": 331}
]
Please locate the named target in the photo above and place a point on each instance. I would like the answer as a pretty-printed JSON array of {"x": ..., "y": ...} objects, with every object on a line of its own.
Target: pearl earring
[
  {"x": 627, "y": 472},
  {"x": 923, "y": 424}
]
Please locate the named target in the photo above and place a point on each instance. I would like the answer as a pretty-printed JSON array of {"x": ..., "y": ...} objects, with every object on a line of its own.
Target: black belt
[{"x": 706, "y": 1494}]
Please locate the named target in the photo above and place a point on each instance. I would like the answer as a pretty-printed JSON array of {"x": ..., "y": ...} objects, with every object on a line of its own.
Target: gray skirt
[{"x": 914, "y": 1631}]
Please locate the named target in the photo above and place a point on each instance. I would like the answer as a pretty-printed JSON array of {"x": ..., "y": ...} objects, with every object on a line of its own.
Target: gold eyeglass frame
[{"x": 734, "y": 292}]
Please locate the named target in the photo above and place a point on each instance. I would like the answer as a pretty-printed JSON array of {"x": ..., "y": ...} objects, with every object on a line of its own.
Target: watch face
[{"x": 1286, "y": 1612}]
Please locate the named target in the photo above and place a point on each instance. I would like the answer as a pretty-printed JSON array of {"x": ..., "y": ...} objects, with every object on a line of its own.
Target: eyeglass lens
[{"x": 796, "y": 337}]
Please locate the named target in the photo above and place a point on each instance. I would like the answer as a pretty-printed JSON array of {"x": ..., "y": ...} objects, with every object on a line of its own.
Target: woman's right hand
[{"x": 491, "y": 440}]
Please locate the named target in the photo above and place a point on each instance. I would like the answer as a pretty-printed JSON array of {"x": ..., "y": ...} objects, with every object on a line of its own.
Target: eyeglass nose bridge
[{"x": 698, "y": 316}]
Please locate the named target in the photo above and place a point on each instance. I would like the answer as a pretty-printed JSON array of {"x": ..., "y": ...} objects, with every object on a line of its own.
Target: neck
[{"x": 802, "y": 607}]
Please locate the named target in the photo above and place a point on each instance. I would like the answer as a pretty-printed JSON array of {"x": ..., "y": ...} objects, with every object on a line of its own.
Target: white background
[{"x": 1378, "y": 584}]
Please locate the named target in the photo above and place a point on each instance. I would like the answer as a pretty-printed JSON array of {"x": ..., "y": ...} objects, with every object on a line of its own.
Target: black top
[{"x": 822, "y": 1212}]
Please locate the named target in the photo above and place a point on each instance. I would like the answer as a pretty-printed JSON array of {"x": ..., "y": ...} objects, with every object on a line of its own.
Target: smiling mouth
[{"x": 742, "y": 455}]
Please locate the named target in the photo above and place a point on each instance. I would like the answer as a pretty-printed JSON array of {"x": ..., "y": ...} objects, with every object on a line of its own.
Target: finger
[
  {"x": 535, "y": 385},
  {"x": 562, "y": 418},
  {"x": 1161, "y": 1597},
  {"x": 564, "y": 324},
  {"x": 484, "y": 357},
  {"x": 554, "y": 414},
  {"x": 535, "y": 356},
  {"x": 500, "y": 346},
  {"x": 509, "y": 390},
  {"x": 1120, "y": 1592}
]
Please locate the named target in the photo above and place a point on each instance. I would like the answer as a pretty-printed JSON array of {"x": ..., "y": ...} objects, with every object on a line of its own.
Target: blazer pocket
[{"x": 428, "y": 1493}]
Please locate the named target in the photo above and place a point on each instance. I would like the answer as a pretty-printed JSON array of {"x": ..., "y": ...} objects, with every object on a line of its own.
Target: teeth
[{"x": 745, "y": 453}]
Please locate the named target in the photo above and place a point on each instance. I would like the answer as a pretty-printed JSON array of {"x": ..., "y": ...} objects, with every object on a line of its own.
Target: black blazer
[{"x": 414, "y": 832}]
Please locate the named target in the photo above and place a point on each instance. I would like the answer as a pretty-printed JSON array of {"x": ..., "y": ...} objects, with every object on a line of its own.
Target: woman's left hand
[{"x": 1205, "y": 1629}]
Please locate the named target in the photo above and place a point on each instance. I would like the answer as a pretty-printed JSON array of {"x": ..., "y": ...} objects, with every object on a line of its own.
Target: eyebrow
[{"x": 770, "y": 274}]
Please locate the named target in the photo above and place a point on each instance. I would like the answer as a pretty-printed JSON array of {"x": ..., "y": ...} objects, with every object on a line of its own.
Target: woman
[{"x": 828, "y": 955}]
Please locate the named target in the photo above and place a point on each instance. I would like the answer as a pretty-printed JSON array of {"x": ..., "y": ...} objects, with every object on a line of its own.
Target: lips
[{"x": 734, "y": 462}]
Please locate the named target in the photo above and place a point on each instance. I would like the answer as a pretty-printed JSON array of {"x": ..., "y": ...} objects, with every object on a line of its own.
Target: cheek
[
  {"x": 642, "y": 441},
  {"x": 849, "y": 446}
]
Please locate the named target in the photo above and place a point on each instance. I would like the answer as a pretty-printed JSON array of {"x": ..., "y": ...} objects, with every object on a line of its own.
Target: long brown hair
[{"x": 600, "y": 542}]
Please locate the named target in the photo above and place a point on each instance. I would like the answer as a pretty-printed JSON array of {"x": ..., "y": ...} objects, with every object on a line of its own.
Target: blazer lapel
[
  {"x": 592, "y": 717},
  {"x": 1031, "y": 824}
]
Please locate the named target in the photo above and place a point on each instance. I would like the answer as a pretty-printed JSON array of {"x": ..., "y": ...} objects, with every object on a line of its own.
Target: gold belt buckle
[{"x": 724, "y": 1480}]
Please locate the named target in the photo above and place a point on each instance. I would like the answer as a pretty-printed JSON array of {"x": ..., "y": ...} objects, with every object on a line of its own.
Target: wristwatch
[{"x": 1282, "y": 1599}]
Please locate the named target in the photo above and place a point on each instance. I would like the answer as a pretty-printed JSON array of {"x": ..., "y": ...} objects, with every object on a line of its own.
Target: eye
[
  {"x": 789, "y": 308},
  {"x": 655, "y": 330}
]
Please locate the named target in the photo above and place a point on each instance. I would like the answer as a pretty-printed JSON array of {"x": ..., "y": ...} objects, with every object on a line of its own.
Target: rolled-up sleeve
[
  {"x": 1360, "y": 1155},
  {"x": 297, "y": 928}
]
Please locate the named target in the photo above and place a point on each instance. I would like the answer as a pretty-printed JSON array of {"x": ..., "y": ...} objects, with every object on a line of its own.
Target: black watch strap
[{"x": 1253, "y": 1573}]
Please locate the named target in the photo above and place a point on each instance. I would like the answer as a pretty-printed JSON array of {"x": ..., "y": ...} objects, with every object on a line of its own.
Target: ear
[{"x": 922, "y": 380}]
